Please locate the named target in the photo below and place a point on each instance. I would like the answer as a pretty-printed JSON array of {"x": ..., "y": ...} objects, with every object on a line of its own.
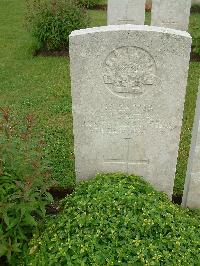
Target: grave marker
[
  {"x": 126, "y": 12},
  {"x": 191, "y": 195},
  {"x": 128, "y": 89},
  {"x": 171, "y": 14}
]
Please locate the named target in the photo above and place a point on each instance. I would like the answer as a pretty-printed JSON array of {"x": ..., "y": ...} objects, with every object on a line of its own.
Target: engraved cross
[{"x": 128, "y": 162}]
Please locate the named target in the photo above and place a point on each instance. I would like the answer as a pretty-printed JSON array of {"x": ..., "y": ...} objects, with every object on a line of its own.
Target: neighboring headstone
[
  {"x": 194, "y": 2},
  {"x": 171, "y": 14},
  {"x": 191, "y": 195},
  {"x": 128, "y": 90},
  {"x": 126, "y": 12}
]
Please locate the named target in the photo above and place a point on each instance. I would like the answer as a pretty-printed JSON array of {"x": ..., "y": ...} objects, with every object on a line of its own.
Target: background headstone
[
  {"x": 194, "y": 2},
  {"x": 128, "y": 89},
  {"x": 191, "y": 195},
  {"x": 126, "y": 12},
  {"x": 171, "y": 14}
]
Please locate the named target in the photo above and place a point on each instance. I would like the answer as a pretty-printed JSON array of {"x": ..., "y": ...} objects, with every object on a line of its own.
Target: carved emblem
[{"x": 129, "y": 71}]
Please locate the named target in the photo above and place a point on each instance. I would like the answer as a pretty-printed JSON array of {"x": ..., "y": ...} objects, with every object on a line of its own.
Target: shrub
[
  {"x": 89, "y": 3},
  {"x": 118, "y": 220},
  {"x": 51, "y": 22},
  {"x": 24, "y": 181}
]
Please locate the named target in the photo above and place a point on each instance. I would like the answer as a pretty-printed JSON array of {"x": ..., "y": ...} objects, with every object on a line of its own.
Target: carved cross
[
  {"x": 128, "y": 162},
  {"x": 127, "y": 21}
]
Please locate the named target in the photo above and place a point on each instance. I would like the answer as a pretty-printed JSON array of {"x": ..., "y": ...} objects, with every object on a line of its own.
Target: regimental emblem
[{"x": 129, "y": 71}]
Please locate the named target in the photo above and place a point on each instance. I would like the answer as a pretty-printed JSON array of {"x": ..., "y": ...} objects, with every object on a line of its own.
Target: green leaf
[{"x": 29, "y": 220}]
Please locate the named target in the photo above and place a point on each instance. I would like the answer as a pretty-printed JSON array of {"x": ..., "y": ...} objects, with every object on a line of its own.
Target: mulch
[
  {"x": 177, "y": 199},
  {"x": 195, "y": 9},
  {"x": 60, "y": 192},
  {"x": 43, "y": 52},
  {"x": 194, "y": 57},
  {"x": 3, "y": 261},
  {"x": 99, "y": 7}
]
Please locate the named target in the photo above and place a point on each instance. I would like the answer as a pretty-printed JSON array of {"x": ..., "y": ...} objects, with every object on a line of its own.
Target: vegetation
[
  {"x": 196, "y": 43},
  {"x": 104, "y": 223},
  {"x": 41, "y": 86},
  {"x": 51, "y": 22},
  {"x": 24, "y": 179},
  {"x": 194, "y": 29}
]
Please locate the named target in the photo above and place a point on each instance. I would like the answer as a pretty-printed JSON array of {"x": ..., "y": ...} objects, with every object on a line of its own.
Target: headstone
[
  {"x": 171, "y": 14},
  {"x": 128, "y": 89},
  {"x": 191, "y": 196},
  {"x": 126, "y": 12}
]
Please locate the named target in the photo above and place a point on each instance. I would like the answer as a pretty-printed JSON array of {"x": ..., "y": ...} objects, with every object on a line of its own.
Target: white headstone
[
  {"x": 191, "y": 195},
  {"x": 126, "y": 12},
  {"x": 128, "y": 89},
  {"x": 171, "y": 14}
]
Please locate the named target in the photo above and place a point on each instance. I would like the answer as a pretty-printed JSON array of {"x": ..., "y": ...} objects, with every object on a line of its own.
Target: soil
[
  {"x": 177, "y": 199},
  {"x": 43, "y": 52},
  {"x": 195, "y": 9},
  {"x": 195, "y": 57},
  {"x": 57, "y": 193},
  {"x": 99, "y": 7},
  {"x": 3, "y": 261},
  {"x": 60, "y": 192},
  {"x": 148, "y": 7}
]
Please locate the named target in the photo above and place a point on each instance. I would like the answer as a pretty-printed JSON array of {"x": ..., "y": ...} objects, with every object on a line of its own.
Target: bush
[
  {"x": 51, "y": 22},
  {"x": 24, "y": 181},
  {"x": 118, "y": 220},
  {"x": 89, "y": 3}
]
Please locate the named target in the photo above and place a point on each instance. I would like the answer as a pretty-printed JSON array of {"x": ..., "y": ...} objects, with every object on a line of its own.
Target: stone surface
[
  {"x": 195, "y": 2},
  {"x": 126, "y": 12},
  {"x": 128, "y": 89},
  {"x": 191, "y": 195},
  {"x": 171, "y": 14}
]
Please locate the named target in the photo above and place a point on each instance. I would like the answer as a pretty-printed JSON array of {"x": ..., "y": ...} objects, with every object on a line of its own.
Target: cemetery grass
[{"x": 41, "y": 86}]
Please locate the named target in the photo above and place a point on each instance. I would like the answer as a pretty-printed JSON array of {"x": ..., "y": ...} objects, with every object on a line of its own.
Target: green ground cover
[
  {"x": 104, "y": 223},
  {"x": 41, "y": 86}
]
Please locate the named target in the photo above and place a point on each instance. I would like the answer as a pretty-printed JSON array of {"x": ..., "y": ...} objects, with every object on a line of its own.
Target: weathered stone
[
  {"x": 194, "y": 2},
  {"x": 126, "y": 12},
  {"x": 191, "y": 196},
  {"x": 128, "y": 89},
  {"x": 171, "y": 14}
]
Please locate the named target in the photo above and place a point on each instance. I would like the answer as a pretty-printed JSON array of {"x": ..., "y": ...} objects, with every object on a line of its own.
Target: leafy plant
[
  {"x": 24, "y": 179},
  {"x": 118, "y": 220},
  {"x": 51, "y": 22}
]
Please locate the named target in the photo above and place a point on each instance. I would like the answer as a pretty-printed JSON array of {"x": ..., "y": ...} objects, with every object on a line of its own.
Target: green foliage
[
  {"x": 52, "y": 21},
  {"x": 118, "y": 220},
  {"x": 90, "y": 3},
  {"x": 48, "y": 95},
  {"x": 24, "y": 179},
  {"x": 196, "y": 42},
  {"x": 194, "y": 27}
]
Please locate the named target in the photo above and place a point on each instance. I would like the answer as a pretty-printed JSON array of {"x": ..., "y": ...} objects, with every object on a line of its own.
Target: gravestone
[
  {"x": 128, "y": 89},
  {"x": 191, "y": 195},
  {"x": 171, "y": 14},
  {"x": 126, "y": 12}
]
